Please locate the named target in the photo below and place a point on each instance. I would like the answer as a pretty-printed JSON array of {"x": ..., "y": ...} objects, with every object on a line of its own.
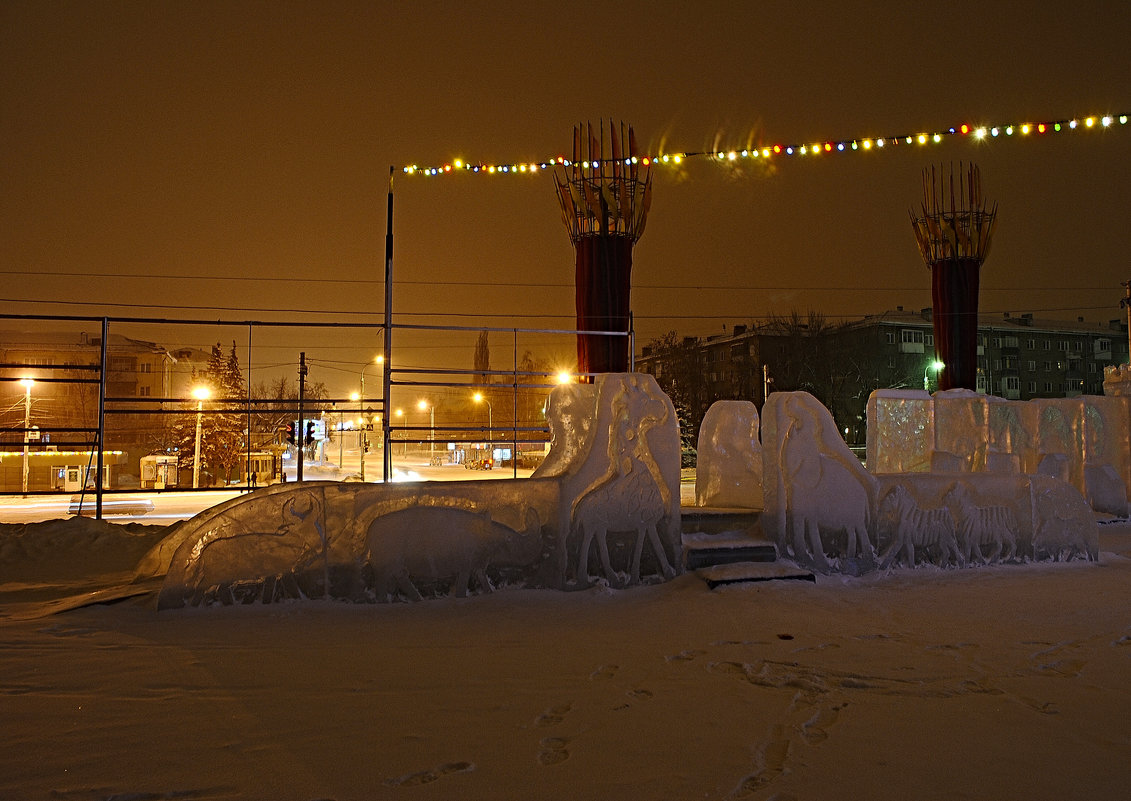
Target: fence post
[{"x": 101, "y": 423}]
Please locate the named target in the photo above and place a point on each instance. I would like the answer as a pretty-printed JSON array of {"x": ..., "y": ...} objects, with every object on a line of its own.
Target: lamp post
[
  {"x": 431, "y": 408},
  {"x": 200, "y": 393},
  {"x": 399, "y": 413},
  {"x": 342, "y": 432},
  {"x": 935, "y": 365},
  {"x": 361, "y": 399},
  {"x": 27, "y": 384},
  {"x": 478, "y": 398}
]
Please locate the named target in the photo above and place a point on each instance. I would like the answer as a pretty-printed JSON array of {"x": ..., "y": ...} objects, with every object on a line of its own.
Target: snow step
[
  {"x": 705, "y": 555},
  {"x": 702, "y": 550},
  {"x": 742, "y": 572}
]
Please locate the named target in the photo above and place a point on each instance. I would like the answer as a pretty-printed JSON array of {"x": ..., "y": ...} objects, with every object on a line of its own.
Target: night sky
[{"x": 155, "y": 155}]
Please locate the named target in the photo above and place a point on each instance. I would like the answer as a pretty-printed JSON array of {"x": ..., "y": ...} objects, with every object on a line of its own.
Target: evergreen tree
[
  {"x": 682, "y": 380},
  {"x": 227, "y": 429},
  {"x": 221, "y": 441}
]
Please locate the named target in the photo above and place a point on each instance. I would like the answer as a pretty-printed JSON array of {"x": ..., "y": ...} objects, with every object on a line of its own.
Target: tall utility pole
[
  {"x": 27, "y": 385},
  {"x": 386, "y": 433},
  {"x": 300, "y": 430}
]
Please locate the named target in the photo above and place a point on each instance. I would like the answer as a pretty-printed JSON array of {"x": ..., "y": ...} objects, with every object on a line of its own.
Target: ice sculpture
[
  {"x": 318, "y": 539},
  {"x": 430, "y": 543},
  {"x": 826, "y": 511},
  {"x": 1104, "y": 491},
  {"x": 729, "y": 469},
  {"x": 1085, "y": 440},
  {"x": 988, "y": 532},
  {"x": 909, "y": 526},
  {"x": 901, "y": 431},
  {"x": 620, "y": 480},
  {"x": 963, "y": 519},
  {"x": 818, "y": 497},
  {"x": 610, "y": 482}
]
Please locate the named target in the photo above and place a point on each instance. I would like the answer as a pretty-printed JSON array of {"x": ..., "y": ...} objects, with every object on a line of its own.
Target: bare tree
[{"x": 482, "y": 359}]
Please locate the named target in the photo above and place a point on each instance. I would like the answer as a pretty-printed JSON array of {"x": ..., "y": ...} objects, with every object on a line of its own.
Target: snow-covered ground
[{"x": 1007, "y": 682}]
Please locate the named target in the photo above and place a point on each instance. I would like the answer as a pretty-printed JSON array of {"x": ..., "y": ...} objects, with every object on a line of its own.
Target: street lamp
[
  {"x": 27, "y": 384},
  {"x": 360, "y": 400},
  {"x": 400, "y": 414},
  {"x": 478, "y": 398},
  {"x": 200, "y": 393},
  {"x": 935, "y": 365},
  {"x": 422, "y": 406}
]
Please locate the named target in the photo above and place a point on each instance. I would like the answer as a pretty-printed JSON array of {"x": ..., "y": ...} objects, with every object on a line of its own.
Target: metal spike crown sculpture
[
  {"x": 604, "y": 200},
  {"x": 954, "y": 230}
]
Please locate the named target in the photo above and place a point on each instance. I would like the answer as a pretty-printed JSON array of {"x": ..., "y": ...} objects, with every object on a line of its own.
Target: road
[{"x": 169, "y": 506}]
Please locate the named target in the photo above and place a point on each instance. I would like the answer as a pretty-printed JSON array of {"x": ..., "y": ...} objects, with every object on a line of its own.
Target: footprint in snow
[{"x": 430, "y": 775}]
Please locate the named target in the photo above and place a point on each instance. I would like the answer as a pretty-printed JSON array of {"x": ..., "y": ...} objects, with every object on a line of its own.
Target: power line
[
  {"x": 498, "y": 315},
  {"x": 516, "y": 284},
  {"x": 187, "y": 306}
]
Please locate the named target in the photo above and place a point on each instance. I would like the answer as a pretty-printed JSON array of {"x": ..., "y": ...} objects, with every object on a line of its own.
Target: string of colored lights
[{"x": 831, "y": 146}]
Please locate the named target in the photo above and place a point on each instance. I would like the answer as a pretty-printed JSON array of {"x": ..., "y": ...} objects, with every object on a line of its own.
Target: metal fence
[{"x": 94, "y": 405}]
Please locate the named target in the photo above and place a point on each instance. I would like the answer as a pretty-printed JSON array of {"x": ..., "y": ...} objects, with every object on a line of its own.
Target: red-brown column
[
  {"x": 602, "y": 281},
  {"x": 954, "y": 295}
]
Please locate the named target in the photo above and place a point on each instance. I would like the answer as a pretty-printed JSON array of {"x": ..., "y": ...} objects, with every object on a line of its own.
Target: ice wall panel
[{"x": 729, "y": 468}]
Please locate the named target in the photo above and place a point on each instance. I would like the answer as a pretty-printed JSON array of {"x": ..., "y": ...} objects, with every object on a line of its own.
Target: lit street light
[
  {"x": 424, "y": 405},
  {"x": 400, "y": 413},
  {"x": 27, "y": 384},
  {"x": 200, "y": 393},
  {"x": 478, "y": 398},
  {"x": 342, "y": 431},
  {"x": 935, "y": 365}
]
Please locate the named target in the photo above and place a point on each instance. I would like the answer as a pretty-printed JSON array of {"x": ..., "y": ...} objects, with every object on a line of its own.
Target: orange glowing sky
[{"x": 154, "y": 156}]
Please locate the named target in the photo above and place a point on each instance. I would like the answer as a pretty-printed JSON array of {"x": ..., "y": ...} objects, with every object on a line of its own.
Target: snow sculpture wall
[
  {"x": 826, "y": 511},
  {"x": 610, "y": 482},
  {"x": 615, "y": 452},
  {"x": 818, "y": 497},
  {"x": 962, "y": 519},
  {"x": 360, "y": 542},
  {"x": 729, "y": 470},
  {"x": 907, "y": 421},
  {"x": 1085, "y": 440}
]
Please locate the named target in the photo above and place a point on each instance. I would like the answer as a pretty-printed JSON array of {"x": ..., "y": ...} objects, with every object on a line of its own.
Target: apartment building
[{"x": 1019, "y": 358}]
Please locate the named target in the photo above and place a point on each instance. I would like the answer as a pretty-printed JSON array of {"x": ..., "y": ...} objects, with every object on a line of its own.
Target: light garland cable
[{"x": 832, "y": 146}]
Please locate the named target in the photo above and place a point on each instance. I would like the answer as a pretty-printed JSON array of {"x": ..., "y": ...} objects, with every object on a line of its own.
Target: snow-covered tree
[{"x": 222, "y": 440}]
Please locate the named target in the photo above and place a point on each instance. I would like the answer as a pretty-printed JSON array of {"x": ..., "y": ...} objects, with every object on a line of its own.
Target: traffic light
[
  {"x": 290, "y": 433},
  {"x": 309, "y": 432}
]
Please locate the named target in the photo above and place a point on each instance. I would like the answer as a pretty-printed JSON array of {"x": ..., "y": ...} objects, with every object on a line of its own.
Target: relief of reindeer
[
  {"x": 630, "y": 502},
  {"x": 981, "y": 527},
  {"x": 915, "y": 528}
]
